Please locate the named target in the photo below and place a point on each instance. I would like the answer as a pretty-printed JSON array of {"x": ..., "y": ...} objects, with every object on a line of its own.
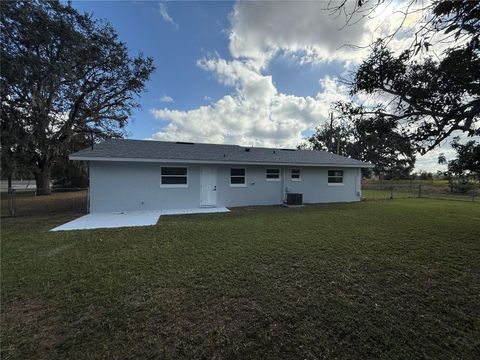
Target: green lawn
[
  {"x": 379, "y": 279},
  {"x": 432, "y": 182}
]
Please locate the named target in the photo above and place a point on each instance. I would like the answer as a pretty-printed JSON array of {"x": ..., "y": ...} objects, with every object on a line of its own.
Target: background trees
[
  {"x": 429, "y": 95},
  {"x": 64, "y": 77},
  {"x": 418, "y": 97},
  {"x": 429, "y": 99},
  {"x": 464, "y": 170},
  {"x": 374, "y": 139}
]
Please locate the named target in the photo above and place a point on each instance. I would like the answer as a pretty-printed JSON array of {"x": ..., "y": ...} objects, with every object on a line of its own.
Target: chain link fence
[
  {"x": 387, "y": 191},
  {"x": 26, "y": 202}
]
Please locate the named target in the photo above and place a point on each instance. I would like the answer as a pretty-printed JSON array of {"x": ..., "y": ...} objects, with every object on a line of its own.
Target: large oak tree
[
  {"x": 430, "y": 95},
  {"x": 63, "y": 75},
  {"x": 373, "y": 139}
]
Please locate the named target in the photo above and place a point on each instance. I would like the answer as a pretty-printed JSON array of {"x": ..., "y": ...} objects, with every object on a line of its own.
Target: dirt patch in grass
[
  {"x": 44, "y": 330},
  {"x": 32, "y": 319}
]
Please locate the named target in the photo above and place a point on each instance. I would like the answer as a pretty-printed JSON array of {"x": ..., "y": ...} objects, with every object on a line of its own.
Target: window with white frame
[
  {"x": 237, "y": 177},
  {"x": 335, "y": 177},
  {"x": 272, "y": 174},
  {"x": 174, "y": 176},
  {"x": 295, "y": 175}
]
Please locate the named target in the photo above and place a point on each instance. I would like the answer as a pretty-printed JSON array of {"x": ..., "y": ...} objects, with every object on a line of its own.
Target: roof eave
[{"x": 226, "y": 162}]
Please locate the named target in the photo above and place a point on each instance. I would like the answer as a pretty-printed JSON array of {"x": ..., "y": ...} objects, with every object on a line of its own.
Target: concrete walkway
[{"x": 131, "y": 218}]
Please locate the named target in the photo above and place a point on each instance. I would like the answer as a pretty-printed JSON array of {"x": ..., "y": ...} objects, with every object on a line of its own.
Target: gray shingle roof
[{"x": 117, "y": 149}]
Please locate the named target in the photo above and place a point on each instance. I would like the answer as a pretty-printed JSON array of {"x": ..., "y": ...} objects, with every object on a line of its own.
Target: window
[
  {"x": 237, "y": 177},
  {"x": 272, "y": 174},
  {"x": 174, "y": 177},
  {"x": 335, "y": 177},
  {"x": 295, "y": 175}
]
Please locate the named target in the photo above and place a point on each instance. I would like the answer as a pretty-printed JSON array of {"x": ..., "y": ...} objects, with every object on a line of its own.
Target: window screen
[
  {"x": 174, "y": 176},
  {"x": 237, "y": 176},
  {"x": 335, "y": 176},
  {"x": 295, "y": 174},
  {"x": 272, "y": 174}
]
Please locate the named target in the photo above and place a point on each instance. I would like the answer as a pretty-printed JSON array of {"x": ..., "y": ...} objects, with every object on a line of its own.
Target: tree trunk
[
  {"x": 42, "y": 180},
  {"x": 9, "y": 182}
]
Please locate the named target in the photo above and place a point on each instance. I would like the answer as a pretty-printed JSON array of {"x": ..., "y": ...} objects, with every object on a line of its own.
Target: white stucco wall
[{"x": 127, "y": 186}]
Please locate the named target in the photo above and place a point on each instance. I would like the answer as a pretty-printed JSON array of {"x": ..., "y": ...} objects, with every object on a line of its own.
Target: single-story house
[{"x": 131, "y": 175}]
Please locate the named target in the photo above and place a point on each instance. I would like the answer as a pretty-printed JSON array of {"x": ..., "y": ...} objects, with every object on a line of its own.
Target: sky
[{"x": 248, "y": 73}]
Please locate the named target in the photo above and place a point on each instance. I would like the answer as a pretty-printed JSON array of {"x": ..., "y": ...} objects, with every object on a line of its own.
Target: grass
[
  {"x": 431, "y": 182},
  {"x": 383, "y": 279},
  {"x": 378, "y": 192},
  {"x": 27, "y": 204},
  {"x": 385, "y": 194}
]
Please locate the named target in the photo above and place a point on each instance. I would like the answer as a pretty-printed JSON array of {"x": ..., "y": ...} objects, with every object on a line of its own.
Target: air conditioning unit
[{"x": 294, "y": 199}]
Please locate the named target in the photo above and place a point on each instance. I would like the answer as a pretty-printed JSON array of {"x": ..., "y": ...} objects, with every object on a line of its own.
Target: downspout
[
  {"x": 89, "y": 183},
  {"x": 358, "y": 183},
  {"x": 284, "y": 190}
]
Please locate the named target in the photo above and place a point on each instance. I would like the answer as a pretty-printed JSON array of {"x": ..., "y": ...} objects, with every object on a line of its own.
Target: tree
[
  {"x": 423, "y": 175},
  {"x": 335, "y": 137},
  {"x": 369, "y": 138},
  {"x": 62, "y": 74},
  {"x": 465, "y": 169},
  {"x": 12, "y": 161},
  {"x": 429, "y": 97},
  {"x": 12, "y": 168},
  {"x": 378, "y": 141},
  {"x": 72, "y": 174}
]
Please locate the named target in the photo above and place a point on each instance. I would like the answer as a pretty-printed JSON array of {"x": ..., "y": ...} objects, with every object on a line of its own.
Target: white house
[{"x": 129, "y": 175}]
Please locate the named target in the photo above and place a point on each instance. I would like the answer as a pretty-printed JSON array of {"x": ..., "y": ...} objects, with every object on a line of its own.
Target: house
[{"x": 129, "y": 175}]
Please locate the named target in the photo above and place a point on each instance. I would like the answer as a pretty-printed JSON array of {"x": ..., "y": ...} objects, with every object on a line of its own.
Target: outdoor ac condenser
[{"x": 294, "y": 199}]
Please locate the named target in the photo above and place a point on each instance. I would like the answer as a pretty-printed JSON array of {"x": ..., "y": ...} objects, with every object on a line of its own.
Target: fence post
[
  {"x": 391, "y": 192},
  {"x": 419, "y": 191},
  {"x": 11, "y": 202},
  {"x": 473, "y": 193}
]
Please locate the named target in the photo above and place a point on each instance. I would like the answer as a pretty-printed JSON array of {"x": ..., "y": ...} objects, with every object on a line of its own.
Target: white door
[{"x": 208, "y": 186}]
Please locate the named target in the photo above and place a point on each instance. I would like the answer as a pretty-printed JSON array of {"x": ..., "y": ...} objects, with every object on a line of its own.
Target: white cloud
[
  {"x": 256, "y": 112},
  {"x": 162, "y": 8},
  {"x": 312, "y": 31},
  {"x": 429, "y": 161},
  {"x": 260, "y": 29},
  {"x": 167, "y": 99}
]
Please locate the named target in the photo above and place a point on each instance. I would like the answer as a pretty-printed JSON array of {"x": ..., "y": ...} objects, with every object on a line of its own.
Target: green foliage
[
  {"x": 464, "y": 171},
  {"x": 373, "y": 139},
  {"x": 424, "y": 175},
  {"x": 467, "y": 163},
  {"x": 431, "y": 96},
  {"x": 63, "y": 74},
  {"x": 72, "y": 174},
  {"x": 431, "y": 99}
]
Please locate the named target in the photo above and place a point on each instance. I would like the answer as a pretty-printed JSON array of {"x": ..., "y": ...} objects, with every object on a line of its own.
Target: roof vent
[
  {"x": 247, "y": 149},
  {"x": 184, "y": 143}
]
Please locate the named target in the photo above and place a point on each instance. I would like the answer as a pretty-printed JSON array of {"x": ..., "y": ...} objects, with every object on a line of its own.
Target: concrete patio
[{"x": 128, "y": 219}]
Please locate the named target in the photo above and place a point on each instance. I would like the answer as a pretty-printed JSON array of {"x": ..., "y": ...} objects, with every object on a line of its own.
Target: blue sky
[
  {"x": 200, "y": 29},
  {"x": 197, "y": 30},
  {"x": 250, "y": 73}
]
